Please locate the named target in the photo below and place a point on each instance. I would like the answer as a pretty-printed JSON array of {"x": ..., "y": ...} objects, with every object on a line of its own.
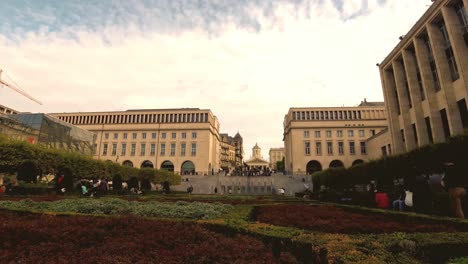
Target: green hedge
[
  {"x": 13, "y": 153},
  {"x": 425, "y": 160}
]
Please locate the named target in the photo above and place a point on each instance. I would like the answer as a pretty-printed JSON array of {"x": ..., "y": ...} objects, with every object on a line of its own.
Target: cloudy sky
[{"x": 248, "y": 61}]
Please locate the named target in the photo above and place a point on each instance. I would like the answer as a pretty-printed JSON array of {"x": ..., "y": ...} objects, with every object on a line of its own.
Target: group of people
[
  {"x": 416, "y": 195},
  {"x": 93, "y": 188}
]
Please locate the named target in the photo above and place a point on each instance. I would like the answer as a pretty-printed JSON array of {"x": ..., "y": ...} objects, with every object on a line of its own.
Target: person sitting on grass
[{"x": 381, "y": 199}]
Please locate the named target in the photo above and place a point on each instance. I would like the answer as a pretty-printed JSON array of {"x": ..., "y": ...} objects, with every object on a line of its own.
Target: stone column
[
  {"x": 388, "y": 86},
  {"x": 446, "y": 82},
  {"x": 410, "y": 62},
  {"x": 429, "y": 90},
  {"x": 400, "y": 76},
  {"x": 460, "y": 50}
]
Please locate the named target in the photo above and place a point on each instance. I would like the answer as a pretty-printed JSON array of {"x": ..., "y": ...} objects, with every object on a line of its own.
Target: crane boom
[{"x": 17, "y": 89}]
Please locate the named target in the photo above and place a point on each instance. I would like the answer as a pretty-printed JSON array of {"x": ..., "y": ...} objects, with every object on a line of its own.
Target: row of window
[
  {"x": 135, "y": 118},
  {"x": 334, "y": 115},
  {"x": 152, "y": 149},
  {"x": 330, "y": 149},
  {"x": 448, "y": 52},
  {"x": 153, "y": 135},
  {"x": 339, "y": 133}
]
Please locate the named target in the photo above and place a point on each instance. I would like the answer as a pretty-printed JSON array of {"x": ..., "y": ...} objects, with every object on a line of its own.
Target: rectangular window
[
  {"x": 173, "y": 135},
  {"x": 163, "y": 135},
  {"x": 194, "y": 134},
  {"x": 318, "y": 148},
  {"x": 306, "y": 133},
  {"x": 352, "y": 149},
  {"x": 449, "y": 52},
  {"x": 123, "y": 152},
  {"x": 330, "y": 148},
  {"x": 106, "y": 136},
  {"x": 429, "y": 130},
  {"x": 172, "y": 149},
  {"x": 350, "y": 133},
  {"x": 307, "y": 147},
  {"x": 339, "y": 133},
  {"x": 182, "y": 149},
  {"x": 114, "y": 149},
  {"x": 463, "y": 112},
  {"x": 384, "y": 151},
  {"x": 143, "y": 135},
  {"x": 125, "y": 135},
  {"x": 142, "y": 149},
  {"x": 317, "y": 134},
  {"x": 432, "y": 65},
  {"x": 153, "y": 135},
  {"x": 405, "y": 78},
  {"x": 152, "y": 149},
  {"x": 372, "y": 132},
  {"x": 341, "y": 148},
  {"x": 133, "y": 150},
  {"x": 328, "y": 133},
  {"x": 163, "y": 149},
  {"x": 194, "y": 149},
  {"x": 445, "y": 124},
  {"x": 104, "y": 150},
  {"x": 415, "y": 133},
  {"x": 184, "y": 134},
  {"x": 134, "y": 135},
  {"x": 402, "y": 132},
  {"x": 116, "y": 135},
  {"x": 362, "y": 133},
  {"x": 363, "y": 148}
]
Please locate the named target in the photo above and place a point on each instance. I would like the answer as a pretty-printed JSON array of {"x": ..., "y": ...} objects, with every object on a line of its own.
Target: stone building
[
  {"x": 256, "y": 161},
  {"x": 227, "y": 153},
  {"x": 276, "y": 154},
  {"x": 425, "y": 78},
  {"x": 184, "y": 140},
  {"x": 316, "y": 138}
]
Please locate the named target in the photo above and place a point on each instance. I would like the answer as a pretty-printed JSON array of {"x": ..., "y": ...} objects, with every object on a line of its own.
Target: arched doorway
[
  {"x": 313, "y": 166},
  {"x": 187, "y": 168},
  {"x": 336, "y": 164},
  {"x": 358, "y": 161},
  {"x": 127, "y": 163},
  {"x": 167, "y": 165},
  {"x": 147, "y": 164}
]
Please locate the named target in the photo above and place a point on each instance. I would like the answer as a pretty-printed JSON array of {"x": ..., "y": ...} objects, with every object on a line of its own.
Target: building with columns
[
  {"x": 256, "y": 162},
  {"x": 7, "y": 111},
  {"x": 276, "y": 154},
  {"x": 425, "y": 78},
  {"x": 184, "y": 140},
  {"x": 316, "y": 138}
]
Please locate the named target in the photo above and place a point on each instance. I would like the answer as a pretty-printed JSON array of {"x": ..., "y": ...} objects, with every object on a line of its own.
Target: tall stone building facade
[
  {"x": 425, "y": 78},
  {"x": 184, "y": 140},
  {"x": 276, "y": 154},
  {"x": 228, "y": 153},
  {"x": 316, "y": 138}
]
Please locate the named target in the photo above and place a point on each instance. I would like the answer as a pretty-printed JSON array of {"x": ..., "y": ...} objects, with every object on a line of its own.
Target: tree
[{"x": 280, "y": 165}]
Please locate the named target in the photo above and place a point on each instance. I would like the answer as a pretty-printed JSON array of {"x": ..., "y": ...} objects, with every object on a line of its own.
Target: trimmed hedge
[
  {"x": 14, "y": 153},
  {"x": 425, "y": 160}
]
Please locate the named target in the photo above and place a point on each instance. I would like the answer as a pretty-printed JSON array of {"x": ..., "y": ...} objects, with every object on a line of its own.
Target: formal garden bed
[
  {"x": 281, "y": 230},
  {"x": 331, "y": 219},
  {"x": 41, "y": 238}
]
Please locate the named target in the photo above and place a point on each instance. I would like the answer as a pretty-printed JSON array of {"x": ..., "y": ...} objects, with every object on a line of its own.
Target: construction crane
[{"x": 16, "y": 89}]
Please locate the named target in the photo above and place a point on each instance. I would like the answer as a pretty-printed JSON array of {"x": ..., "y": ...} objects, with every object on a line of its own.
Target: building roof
[{"x": 365, "y": 103}]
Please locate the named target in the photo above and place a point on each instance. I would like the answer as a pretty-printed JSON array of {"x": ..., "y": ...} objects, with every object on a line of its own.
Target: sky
[{"x": 248, "y": 61}]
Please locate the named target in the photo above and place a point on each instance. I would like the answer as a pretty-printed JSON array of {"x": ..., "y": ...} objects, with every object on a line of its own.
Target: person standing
[
  {"x": 381, "y": 199},
  {"x": 456, "y": 184}
]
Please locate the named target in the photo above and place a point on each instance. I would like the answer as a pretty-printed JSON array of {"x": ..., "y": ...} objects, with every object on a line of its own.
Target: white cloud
[{"x": 303, "y": 56}]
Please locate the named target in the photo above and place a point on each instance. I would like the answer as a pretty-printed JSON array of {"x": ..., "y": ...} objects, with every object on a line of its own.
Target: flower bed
[
  {"x": 117, "y": 206},
  {"x": 36, "y": 238},
  {"x": 331, "y": 219}
]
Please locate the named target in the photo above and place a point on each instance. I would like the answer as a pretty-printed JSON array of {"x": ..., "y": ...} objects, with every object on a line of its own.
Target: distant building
[
  {"x": 227, "y": 153},
  {"x": 7, "y": 111},
  {"x": 276, "y": 154},
  {"x": 47, "y": 131},
  {"x": 425, "y": 78},
  {"x": 317, "y": 138},
  {"x": 184, "y": 140},
  {"x": 256, "y": 161}
]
